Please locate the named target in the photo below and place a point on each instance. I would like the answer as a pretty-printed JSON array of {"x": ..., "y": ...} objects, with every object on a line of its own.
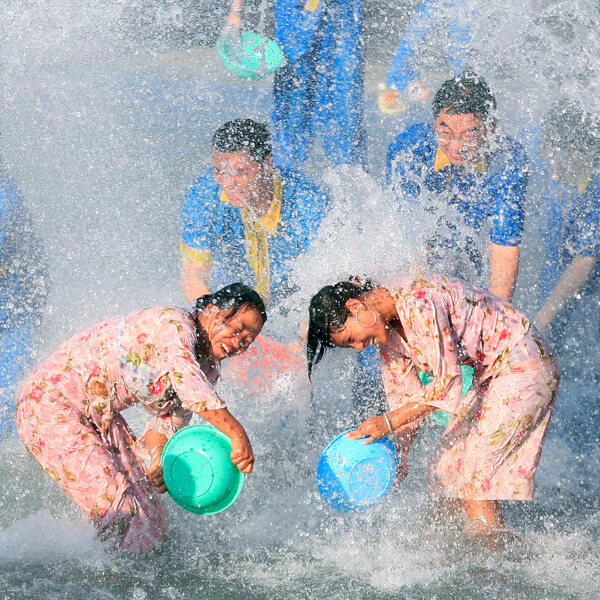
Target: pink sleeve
[
  {"x": 432, "y": 343},
  {"x": 166, "y": 424},
  {"x": 195, "y": 391},
  {"x": 401, "y": 382}
]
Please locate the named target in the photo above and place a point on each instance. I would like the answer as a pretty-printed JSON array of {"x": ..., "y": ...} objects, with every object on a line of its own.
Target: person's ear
[{"x": 354, "y": 305}]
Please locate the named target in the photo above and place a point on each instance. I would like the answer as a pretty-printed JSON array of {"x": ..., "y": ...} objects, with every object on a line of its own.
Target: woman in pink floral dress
[
  {"x": 492, "y": 446},
  {"x": 165, "y": 358}
]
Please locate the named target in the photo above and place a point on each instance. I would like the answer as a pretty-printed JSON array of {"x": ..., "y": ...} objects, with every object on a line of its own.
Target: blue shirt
[
  {"x": 212, "y": 226},
  {"x": 24, "y": 279},
  {"x": 455, "y": 18},
  {"x": 573, "y": 223},
  {"x": 496, "y": 194}
]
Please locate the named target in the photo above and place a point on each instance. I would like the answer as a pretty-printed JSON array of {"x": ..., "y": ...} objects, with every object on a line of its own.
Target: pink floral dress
[
  {"x": 68, "y": 415},
  {"x": 492, "y": 446}
]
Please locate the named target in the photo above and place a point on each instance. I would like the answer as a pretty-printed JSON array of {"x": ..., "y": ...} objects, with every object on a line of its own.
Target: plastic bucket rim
[{"x": 234, "y": 490}]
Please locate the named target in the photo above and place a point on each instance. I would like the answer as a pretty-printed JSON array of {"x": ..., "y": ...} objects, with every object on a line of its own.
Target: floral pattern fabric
[
  {"x": 69, "y": 419},
  {"x": 492, "y": 446}
]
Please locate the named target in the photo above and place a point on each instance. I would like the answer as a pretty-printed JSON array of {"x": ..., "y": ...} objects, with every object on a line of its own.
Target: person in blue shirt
[
  {"x": 470, "y": 178},
  {"x": 24, "y": 284},
  {"x": 570, "y": 199},
  {"x": 319, "y": 92},
  {"x": 245, "y": 220},
  {"x": 436, "y": 39}
]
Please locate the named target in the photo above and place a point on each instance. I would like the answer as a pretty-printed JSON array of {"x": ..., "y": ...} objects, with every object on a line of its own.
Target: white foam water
[{"x": 108, "y": 110}]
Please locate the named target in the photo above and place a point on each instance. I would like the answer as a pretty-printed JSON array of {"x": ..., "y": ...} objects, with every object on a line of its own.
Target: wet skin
[{"x": 460, "y": 137}]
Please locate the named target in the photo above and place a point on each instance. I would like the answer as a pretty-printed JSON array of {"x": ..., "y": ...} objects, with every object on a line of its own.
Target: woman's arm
[
  {"x": 401, "y": 422},
  {"x": 155, "y": 442},
  {"x": 241, "y": 453}
]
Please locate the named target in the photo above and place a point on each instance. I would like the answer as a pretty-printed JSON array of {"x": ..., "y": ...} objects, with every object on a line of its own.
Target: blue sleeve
[
  {"x": 586, "y": 239},
  {"x": 510, "y": 188},
  {"x": 404, "y": 156},
  {"x": 199, "y": 215},
  {"x": 295, "y": 27}
]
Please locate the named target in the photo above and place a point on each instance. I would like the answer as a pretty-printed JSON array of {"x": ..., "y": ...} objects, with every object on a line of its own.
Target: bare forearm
[
  {"x": 223, "y": 420},
  {"x": 504, "y": 267},
  {"x": 409, "y": 414},
  {"x": 155, "y": 440},
  {"x": 572, "y": 280}
]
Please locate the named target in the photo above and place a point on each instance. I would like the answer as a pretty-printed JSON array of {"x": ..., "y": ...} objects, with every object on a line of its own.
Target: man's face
[
  {"x": 460, "y": 136},
  {"x": 240, "y": 177}
]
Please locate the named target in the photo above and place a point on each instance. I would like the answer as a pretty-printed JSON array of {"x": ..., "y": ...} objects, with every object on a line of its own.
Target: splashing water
[{"x": 108, "y": 110}]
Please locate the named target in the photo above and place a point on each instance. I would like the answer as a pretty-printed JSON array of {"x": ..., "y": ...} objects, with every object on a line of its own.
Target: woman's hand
[
  {"x": 372, "y": 429},
  {"x": 241, "y": 453},
  {"x": 155, "y": 474}
]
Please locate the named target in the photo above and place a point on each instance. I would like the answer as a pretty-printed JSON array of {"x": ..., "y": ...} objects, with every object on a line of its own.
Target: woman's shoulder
[{"x": 155, "y": 317}]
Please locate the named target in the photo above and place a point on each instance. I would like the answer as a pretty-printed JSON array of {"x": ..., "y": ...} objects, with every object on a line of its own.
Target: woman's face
[
  {"x": 362, "y": 328},
  {"x": 228, "y": 334}
]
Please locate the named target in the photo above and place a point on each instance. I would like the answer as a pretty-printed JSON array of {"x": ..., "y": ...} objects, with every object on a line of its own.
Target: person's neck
[
  {"x": 261, "y": 204},
  {"x": 386, "y": 306}
]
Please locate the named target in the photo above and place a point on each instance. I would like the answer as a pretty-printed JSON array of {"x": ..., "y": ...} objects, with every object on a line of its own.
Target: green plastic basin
[
  {"x": 248, "y": 55},
  {"x": 198, "y": 471}
]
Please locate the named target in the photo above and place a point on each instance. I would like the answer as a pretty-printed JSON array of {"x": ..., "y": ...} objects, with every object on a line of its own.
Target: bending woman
[
  {"x": 492, "y": 446},
  {"x": 165, "y": 358}
]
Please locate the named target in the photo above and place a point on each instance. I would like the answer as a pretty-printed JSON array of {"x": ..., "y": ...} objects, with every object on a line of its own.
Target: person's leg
[
  {"x": 492, "y": 453},
  {"x": 484, "y": 516},
  {"x": 293, "y": 108},
  {"x": 340, "y": 94},
  {"x": 97, "y": 470}
]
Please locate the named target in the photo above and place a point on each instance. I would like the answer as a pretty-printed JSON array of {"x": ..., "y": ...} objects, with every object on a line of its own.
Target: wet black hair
[
  {"x": 466, "y": 94},
  {"x": 567, "y": 125},
  {"x": 244, "y": 134},
  {"x": 327, "y": 311},
  {"x": 233, "y": 297}
]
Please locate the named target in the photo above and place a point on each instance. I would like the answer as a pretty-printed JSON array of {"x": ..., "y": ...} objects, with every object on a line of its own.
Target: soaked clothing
[
  {"x": 319, "y": 92},
  {"x": 573, "y": 224},
  {"x": 69, "y": 419},
  {"x": 423, "y": 30},
  {"x": 492, "y": 446},
  {"x": 488, "y": 197},
  {"x": 240, "y": 248}
]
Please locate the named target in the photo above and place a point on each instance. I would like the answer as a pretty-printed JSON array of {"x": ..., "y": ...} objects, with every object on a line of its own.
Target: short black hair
[
  {"x": 244, "y": 134},
  {"x": 233, "y": 297},
  {"x": 567, "y": 125},
  {"x": 466, "y": 94},
  {"x": 327, "y": 311}
]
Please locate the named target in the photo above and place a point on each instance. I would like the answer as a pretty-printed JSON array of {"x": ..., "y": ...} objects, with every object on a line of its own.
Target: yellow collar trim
[
  {"x": 442, "y": 160},
  {"x": 256, "y": 232},
  {"x": 270, "y": 219}
]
